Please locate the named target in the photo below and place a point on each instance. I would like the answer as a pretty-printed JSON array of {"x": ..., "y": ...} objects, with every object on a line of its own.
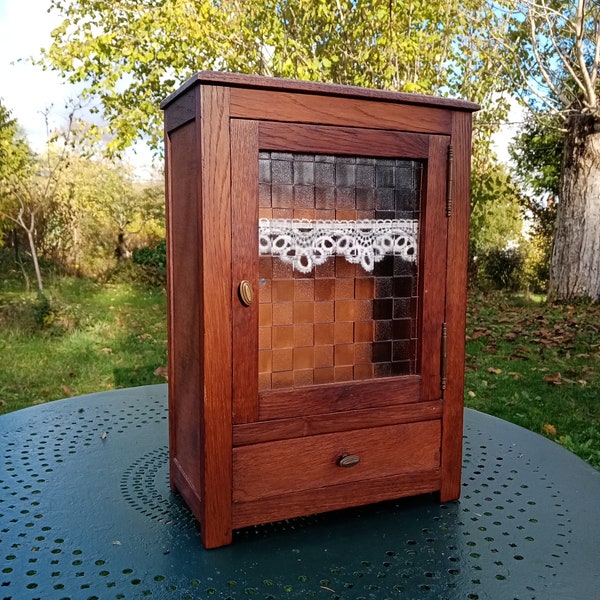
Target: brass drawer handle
[
  {"x": 246, "y": 293},
  {"x": 348, "y": 460}
]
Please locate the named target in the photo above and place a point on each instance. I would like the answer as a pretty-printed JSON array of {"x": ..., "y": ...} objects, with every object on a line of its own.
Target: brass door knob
[
  {"x": 348, "y": 460},
  {"x": 246, "y": 292}
]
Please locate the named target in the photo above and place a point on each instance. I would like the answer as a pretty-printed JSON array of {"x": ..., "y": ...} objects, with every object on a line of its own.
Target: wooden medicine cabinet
[{"x": 317, "y": 253}]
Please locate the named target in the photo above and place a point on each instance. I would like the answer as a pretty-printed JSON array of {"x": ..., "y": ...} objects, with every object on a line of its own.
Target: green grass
[
  {"x": 90, "y": 338},
  {"x": 538, "y": 366}
]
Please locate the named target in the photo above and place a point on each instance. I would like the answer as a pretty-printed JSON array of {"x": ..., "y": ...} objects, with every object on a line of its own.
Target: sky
[{"x": 27, "y": 90}]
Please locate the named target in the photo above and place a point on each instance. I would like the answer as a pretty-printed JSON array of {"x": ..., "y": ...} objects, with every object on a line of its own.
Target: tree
[
  {"x": 16, "y": 172},
  {"x": 130, "y": 55},
  {"x": 537, "y": 157},
  {"x": 496, "y": 236},
  {"x": 122, "y": 208},
  {"x": 75, "y": 207},
  {"x": 14, "y": 152},
  {"x": 15, "y": 161},
  {"x": 553, "y": 53},
  {"x": 36, "y": 197},
  {"x": 496, "y": 221},
  {"x": 100, "y": 209}
]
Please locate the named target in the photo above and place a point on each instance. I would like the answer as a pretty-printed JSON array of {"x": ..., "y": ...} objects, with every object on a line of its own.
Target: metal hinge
[
  {"x": 450, "y": 182},
  {"x": 444, "y": 357}
]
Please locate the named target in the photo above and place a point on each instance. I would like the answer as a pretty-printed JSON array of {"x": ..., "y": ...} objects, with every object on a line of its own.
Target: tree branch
[
  {"x": 596, "y": 61},
  {"x": 528, "y": 76},
  {"x": 538, "y": 58},
  {"x": 588, "y": 86}
]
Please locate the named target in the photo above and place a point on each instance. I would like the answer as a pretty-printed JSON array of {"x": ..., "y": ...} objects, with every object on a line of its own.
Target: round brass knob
[
  {"x": 348, "y": 460},
  {"x": 246, "y": 293}
]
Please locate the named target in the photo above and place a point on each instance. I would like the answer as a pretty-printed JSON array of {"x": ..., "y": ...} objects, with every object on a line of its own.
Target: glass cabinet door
[
  {"x": 338, "y": 268},
  {"x": 334, "y": 244}
]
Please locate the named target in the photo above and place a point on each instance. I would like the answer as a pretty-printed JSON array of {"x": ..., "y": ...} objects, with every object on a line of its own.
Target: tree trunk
[
  {"x": 575, "y": 269},
  {"x": 15, "y": 237},
  {"x": 36, "y": 264},
  {"x": 122, "y": 252}
]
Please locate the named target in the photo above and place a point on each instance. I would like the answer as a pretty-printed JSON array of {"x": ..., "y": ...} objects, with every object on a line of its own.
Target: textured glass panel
[{"x": 337, "y": 317}]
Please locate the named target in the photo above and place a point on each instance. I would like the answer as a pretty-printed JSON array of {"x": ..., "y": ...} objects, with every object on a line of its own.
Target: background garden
[{"x": 82, "y": 252}]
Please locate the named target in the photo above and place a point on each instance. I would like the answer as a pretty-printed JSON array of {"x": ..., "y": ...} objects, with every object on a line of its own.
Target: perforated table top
[{"x": 86, "y": 512}]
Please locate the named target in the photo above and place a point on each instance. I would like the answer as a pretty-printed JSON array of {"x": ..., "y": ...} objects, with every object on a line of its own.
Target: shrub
[
  {"x": 147, "y": 267},
  {"x": 155, "y": 256},
  {"x": 537, "y": 264},
  {"x": 42, "y": 311},
  {"x": 503, "y": 269}
]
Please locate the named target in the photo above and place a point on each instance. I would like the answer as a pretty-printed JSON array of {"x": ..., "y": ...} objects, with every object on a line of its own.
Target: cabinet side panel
[
  {"x": 180, "y": 111},
  {"x": 456, "y": 299},
  {"x": 185, "y": 343}
]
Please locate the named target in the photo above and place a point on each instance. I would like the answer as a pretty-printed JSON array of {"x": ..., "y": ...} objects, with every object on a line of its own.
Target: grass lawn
[
  {"x": 95, "y": 337},
  {"x": 535, "y": 365},
  {"x": 538, "y": 366}
]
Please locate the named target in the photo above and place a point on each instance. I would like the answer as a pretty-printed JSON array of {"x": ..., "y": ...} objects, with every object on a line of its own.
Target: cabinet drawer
[{"x": 282, "y": 467}]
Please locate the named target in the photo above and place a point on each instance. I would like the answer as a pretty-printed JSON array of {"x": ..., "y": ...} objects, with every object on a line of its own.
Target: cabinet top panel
[{"x": 293, "y": 85}]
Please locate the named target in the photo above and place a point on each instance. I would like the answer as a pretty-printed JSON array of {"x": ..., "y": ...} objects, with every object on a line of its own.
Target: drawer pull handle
[{"x": 348, "y": 460}]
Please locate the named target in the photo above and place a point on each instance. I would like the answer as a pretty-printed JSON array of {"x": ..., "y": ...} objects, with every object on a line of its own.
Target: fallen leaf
[
  {"x": 105, "y": 350},
  {"x": 549, "y": 429},
  {"x": 520, "y": 354},
  {"x": 162, "y": 372},
  {"x": 511, "y": 335},
  {"x": 471, "y": 394},
  {"x": 144, "y": 336},
  {"x": 480, "y": 332},
  {"x": 555, "y": 379},
  {"x": 494, "y": 370},
  {"x": 67, "y": 390}
]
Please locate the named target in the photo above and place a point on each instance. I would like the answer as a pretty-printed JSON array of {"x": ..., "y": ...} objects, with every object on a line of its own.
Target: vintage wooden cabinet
[{"x": 317, "y": 245}]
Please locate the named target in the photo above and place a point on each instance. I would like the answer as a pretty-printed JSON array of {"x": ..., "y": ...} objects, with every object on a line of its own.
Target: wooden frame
[{"x": 229, "y": 441}]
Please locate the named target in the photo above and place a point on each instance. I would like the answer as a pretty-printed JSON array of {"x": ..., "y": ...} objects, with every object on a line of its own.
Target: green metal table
[{"x": 86, "y": 512}]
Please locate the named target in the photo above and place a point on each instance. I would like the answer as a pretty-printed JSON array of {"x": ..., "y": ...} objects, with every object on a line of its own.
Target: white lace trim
[{"x": 304, "y": 243}]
